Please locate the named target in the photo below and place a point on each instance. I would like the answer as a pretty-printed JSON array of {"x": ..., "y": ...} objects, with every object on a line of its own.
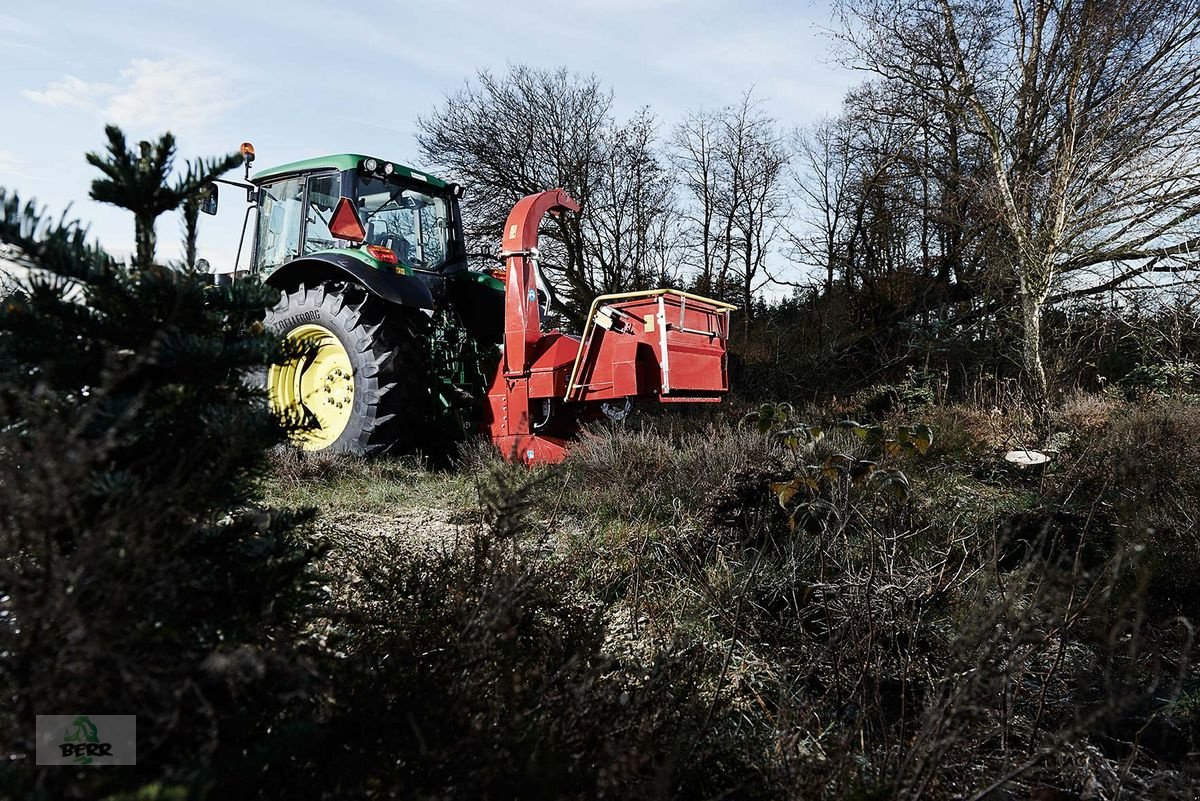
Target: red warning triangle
[{"x": 345, "y": 223}]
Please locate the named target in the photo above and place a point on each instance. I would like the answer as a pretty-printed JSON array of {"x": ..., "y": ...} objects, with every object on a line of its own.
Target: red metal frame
[{"x": 663, "y": 343}]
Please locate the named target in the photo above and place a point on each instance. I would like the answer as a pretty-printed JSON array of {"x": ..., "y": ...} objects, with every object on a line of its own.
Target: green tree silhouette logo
[{"x": 82, "y": 730}]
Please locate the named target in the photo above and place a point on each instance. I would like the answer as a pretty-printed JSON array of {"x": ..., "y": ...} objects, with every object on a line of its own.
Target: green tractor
[
  {"x": 403, "y": 345},
  {"x": 401, "y": 335}
]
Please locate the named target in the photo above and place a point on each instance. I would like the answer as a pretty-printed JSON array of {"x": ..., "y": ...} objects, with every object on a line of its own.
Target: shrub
[
  {"x": 616, "y": 474},
  {"x": 1088, "y": 412},
  {"x": 478, "y": 672},
  {"x": 972, "y": 638},
  {"x": 1142, "y": 467},
  {"x": 1164, "y": 379},
  {"x": 910, "y": 395},
  {"x": 139, "y": 573}
]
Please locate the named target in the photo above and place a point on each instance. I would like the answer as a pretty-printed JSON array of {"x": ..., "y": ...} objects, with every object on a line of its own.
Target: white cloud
[
  {"x": 165, "y": 94},
  {"x": 70, "y": 92},
  {"x": 169, "y": 94}
]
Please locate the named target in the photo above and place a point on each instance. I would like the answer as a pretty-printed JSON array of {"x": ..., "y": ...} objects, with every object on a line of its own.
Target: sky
[{"x": 304, "y": 78}]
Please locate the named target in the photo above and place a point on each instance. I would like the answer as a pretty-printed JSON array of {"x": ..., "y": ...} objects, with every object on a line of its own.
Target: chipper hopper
[{"x": 404, "y": 346}]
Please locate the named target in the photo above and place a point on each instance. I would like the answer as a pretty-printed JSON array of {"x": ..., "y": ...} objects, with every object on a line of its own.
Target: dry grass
[
  {"x": 1087, "y": 412},
  {"x": 996, "y": 636},
  {"x": 944, "y": 649},
  {"x": 340, "y": 484}
]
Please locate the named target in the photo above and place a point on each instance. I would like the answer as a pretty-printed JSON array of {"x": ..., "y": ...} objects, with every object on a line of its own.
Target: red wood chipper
[{"x": 663, "y": 344}]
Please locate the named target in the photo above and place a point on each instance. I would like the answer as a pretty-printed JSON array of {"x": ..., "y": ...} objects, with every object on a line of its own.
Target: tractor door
[
  {"x": 280, "y": 218},
  {"x": 324, "y": 191}
]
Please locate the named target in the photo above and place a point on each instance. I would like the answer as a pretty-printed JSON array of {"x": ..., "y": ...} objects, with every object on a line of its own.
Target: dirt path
[{"x": 422, "y": 529}]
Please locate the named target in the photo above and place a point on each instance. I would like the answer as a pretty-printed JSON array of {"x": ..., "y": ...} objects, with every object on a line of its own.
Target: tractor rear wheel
[{"x": 362, "y": 382}]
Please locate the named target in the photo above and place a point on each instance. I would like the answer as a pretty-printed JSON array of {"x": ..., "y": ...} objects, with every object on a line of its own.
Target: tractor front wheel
[{"x": 359, "y": 384}]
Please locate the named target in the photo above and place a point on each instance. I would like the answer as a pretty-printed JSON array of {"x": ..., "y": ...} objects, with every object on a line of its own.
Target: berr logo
[
  {"x": 82, "y": 741},
  {"x": 93, "y": 740}
]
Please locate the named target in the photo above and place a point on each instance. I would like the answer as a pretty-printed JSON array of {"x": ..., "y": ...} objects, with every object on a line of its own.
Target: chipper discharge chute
[
  {"x": 404, "y": 346},
  {"x": 663, "y": 343}
]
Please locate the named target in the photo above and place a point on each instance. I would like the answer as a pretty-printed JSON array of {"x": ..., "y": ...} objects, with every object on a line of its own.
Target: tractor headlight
[
  {"x": 370, "y": 165},
  {"x": 389, "y": 168}
]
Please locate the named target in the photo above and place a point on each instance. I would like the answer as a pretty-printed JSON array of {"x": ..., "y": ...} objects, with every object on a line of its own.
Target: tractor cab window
[
  {"x": 279, "y": 217},
  {"x": 413, "y": 224},
  {"x": 324, "y": 191}
]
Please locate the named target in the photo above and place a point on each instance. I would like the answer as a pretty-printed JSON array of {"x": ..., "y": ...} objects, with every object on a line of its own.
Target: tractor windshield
[{"x": 413, "y": 224}]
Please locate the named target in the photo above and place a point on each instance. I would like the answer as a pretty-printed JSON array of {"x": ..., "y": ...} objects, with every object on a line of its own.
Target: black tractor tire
[{"x": 392, "y": 403}]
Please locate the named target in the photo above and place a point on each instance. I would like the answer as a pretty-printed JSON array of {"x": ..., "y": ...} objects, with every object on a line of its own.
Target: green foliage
[
  {"x": 189, "y": 223},
  {"x": 778, "y": 420},
  {"x": 769, "y": 417},
  {"x": 809, "y": 494},
  {"x": 142, "y": 182},
  {"x": 911, "y": 394},
  {"x": 141, "y": 575},
  {"x": 1164, "y": 379},
  {"x": 154, "y": 792}
]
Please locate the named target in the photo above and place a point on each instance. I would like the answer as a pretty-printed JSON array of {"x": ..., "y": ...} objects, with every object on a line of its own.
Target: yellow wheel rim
[{"x": 320, "y": 383}]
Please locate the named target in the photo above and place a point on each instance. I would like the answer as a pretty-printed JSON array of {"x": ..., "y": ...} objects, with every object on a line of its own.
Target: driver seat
[{"x": 396, "y": 243}]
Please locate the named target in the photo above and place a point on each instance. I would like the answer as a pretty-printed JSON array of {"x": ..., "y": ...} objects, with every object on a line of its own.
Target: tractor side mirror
[{"x": 208, "y": 200}]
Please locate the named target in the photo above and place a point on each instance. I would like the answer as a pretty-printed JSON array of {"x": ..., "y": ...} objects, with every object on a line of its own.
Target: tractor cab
[
  {"x": 394, "y": 231},
  {"x": 385, "y": 215}
]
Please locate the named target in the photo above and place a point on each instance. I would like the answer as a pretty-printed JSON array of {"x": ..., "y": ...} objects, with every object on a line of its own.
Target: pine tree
[
  {"x": 189, "y": 214},
  {"x": 141, "y": 573},
  {"x": 141, "y": 182}
]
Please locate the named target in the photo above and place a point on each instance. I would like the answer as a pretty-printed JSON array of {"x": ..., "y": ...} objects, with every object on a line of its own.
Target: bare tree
[
  {"x": 756, "y": 152},
  {"x": 732, "y": 165},
  {"x": 511, "y": 135},
  {"x": 822, "y": 174},
  {"x": 529, "y": 130},
  {"x": 1088, "y": 115},
  {"x": 694, "y": 151},
  {"x": 627, "y": 238}
]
